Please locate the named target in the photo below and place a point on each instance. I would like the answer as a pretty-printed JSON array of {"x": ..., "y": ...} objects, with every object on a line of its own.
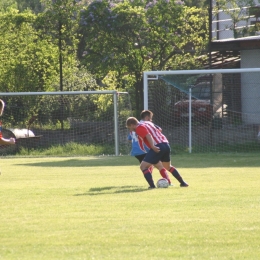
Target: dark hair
[{"x": 146, "y": 113}]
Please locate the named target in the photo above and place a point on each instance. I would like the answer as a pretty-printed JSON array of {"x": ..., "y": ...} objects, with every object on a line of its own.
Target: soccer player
[
  {"x": 147, "y": 116},
  {"x": 4, "y": 141},
  {"x": 139, "y": 150},
  {"x": 159, "y": 153}
]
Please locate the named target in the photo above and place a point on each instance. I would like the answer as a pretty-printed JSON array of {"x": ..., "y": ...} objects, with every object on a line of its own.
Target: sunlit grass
[
  {"x": 100, "y": 208},
  {"x": 69, "y": 149}
]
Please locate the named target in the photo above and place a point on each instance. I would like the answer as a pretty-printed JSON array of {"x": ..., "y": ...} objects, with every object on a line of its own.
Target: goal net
[
  {"x": 67, "y": 123},
  {"x": 206, "y": 110}
]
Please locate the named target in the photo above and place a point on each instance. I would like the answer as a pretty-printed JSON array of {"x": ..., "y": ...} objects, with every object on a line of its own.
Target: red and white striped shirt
[{"x": 143, "y": 129}]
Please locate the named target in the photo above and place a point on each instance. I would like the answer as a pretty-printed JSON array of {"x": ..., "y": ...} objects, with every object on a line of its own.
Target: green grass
[
  {"x": 100, "y": 208},
  {"x": 69, "y": 149},
  {"x": 76, "y": 149}
]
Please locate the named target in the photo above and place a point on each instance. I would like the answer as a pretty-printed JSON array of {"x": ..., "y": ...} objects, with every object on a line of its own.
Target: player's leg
[
  {"x": 140, "y": 158},
  {"x": 163, "y": 149},
  {"x": 166, "y": 161},
  {"x": 175, "y": 173},
  {"x": 145, "y": 168},
  {"x": 163, "y": 172},
  {"x": 151, "y": 158}
]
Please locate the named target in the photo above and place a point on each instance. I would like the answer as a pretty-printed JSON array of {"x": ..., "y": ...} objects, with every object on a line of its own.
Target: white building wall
[
  {"x": 222, "y": 25},
  {"x": 250, "y": 87}
]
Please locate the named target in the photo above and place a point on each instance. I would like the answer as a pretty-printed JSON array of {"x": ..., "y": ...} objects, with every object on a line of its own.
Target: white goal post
[
  {"x": 87, "y": 116},
  {"x": 233, "y": 95}
]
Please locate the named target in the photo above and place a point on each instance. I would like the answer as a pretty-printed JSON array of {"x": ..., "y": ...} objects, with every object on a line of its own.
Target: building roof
[
  {"x": 223, "y": 60},
  {"x": 244, "y": 43}
]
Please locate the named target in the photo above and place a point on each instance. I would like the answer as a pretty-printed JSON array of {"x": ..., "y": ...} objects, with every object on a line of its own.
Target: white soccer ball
[{"x": 162, "y": 183}]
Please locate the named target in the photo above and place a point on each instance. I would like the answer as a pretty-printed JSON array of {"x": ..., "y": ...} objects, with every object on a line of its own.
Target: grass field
[{"x": 100, "y": 208}]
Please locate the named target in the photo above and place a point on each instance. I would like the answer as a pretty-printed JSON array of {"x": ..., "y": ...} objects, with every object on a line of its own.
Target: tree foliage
[
  {"x": 131, "y": 37},
  {"x": 196, "y": 3},
  {"x": 115, "y": 41},
  {"x": 28, "y": 61},
  {"x": 6, "y": 4},
  {"x": 30, "y": 54}
]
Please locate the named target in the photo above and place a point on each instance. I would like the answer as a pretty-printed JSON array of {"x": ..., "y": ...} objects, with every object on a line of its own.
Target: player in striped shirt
[
  {"x": 147, "y": 116},
  {"x": 139, "y": 150},
  {"x": 159, "y": 149}
]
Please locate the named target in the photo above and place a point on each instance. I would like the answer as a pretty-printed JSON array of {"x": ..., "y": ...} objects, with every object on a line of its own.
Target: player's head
[
  {"x": 131, "y": 123},
  {"x": 146, "y": 115},
  {"x": 2, "y": 106}
]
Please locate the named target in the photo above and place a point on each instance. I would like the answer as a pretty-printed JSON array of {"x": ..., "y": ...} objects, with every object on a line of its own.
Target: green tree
[
  {"x": 28, "y": 61},
  {"x": 196, "y": 3},
  {"x": 60, "y": 22},
  {"x": 5, "y": 4},
  {"x": 33, "y": 5},
  {"x": 130, "y": 37},
  {"x": 22, "y": 5}
]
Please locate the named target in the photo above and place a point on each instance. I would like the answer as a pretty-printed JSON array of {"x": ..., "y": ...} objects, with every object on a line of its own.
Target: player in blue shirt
[{"x": 139, "y": 149}]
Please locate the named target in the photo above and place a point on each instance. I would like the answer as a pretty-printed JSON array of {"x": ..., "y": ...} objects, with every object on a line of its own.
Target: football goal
[
  {"x": 206, "y": 110},
  {"x": 94, "y": 120}
]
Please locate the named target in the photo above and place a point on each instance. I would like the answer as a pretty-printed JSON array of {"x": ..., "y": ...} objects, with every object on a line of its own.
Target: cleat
[
  {"x": 170, "y": 184},
  {"x": 184, "y": 184},
  {"x": 150, "y": 188}
]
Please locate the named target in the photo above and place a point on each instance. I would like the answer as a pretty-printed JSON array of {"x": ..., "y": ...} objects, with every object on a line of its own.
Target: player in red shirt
[
  {"x": 4, "y": 141},
  {"x": 147, "y": 116},
  {"x": 159, "y": 148}
]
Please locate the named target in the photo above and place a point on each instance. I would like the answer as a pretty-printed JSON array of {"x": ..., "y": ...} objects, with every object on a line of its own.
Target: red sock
[
  {"x": 151, "y": 168},
  {"x": 165, "y": 175}
]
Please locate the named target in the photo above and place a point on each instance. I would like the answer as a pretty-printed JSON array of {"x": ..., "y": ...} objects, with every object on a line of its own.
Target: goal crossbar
[{"x": 60, "y": 93}]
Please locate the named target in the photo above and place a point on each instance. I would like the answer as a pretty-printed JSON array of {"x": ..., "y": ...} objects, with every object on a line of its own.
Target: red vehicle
[{"x": 201, "y": 109}]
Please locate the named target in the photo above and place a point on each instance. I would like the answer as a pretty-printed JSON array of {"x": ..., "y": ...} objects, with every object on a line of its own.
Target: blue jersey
[{"x": 138, "y": 147}]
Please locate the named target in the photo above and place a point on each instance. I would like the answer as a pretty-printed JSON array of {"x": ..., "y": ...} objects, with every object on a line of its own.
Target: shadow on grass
[
  {"x": 180, "y": 161},
  {"x": 103, "y": 161},
  {"x": 112, "y": 190}
]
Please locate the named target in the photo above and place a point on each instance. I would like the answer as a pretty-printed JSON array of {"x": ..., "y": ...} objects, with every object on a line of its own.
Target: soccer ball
[{"x": 162, "y": 183}]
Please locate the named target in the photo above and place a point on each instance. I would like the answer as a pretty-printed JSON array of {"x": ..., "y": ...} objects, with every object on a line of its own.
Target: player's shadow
[{"x": 112, "y": 190}]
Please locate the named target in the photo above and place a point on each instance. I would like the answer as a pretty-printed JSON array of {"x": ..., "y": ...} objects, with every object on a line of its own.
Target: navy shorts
[{"x": 164, "y": 155}]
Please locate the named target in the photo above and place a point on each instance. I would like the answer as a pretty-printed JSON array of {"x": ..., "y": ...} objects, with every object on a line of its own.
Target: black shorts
[
  {"x": 164, "y": 155},
  {"x": 140, "y": 157}
]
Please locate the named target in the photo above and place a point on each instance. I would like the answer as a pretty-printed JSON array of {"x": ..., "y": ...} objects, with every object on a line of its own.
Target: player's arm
[
  {"x": 2, "y": 106},
  {"x": 142, "y": 131},
  {"x": 158, "y": 127},
  {"x": 4, "y": 141},
  {"x": 151, "y": 142}
]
